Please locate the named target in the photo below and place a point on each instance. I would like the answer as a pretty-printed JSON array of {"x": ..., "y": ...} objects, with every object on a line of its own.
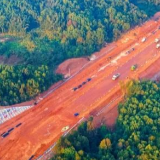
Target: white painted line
[
  {"x": 94, "y": 76},
  {"x": 102, "y": 68}
]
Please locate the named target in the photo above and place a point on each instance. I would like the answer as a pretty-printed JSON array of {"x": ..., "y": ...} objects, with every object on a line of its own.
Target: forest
[
  {"x": 20, "y": 83},
  {"x": 45, "y": 33},
  {"x": 136, "y": 135}
]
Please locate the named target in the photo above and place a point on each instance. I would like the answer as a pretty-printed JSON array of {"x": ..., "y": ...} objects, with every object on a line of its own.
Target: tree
[{"x": 105, "y": 144}]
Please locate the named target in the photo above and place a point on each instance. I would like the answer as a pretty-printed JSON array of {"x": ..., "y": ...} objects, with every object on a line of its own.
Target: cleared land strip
[{"x": 57, "y": 110}]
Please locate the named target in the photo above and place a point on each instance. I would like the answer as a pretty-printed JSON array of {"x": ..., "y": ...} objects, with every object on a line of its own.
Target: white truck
[
  {"x": 158, "y": 45},
  {"x": 156, "y": 40},
  {"x": 143, "y": 39},
  {"x": 115, "y": 76}
]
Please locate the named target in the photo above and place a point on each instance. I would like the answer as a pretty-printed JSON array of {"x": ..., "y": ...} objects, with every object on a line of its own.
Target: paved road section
[{"x": 42, "y": 125}]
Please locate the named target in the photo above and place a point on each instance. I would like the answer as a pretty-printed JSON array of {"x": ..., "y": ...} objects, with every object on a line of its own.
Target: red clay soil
[
  {"x": 151, "y": 70},
  {"x": 71, "y": 66},
  {"x": 109, "y": 47},
  {"x": 156, "y": 16},
  {"x": 42, "y": 125},
  {"x": 107, "y": 117},
  {"x": 75, "y": 64},
  {"x": 108, "y": 113}
]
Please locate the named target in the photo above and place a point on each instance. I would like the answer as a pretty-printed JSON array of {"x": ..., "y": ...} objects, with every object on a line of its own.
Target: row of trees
[
  {"x": 136, "y": 135},
  {"x": 48, "y": 32}
]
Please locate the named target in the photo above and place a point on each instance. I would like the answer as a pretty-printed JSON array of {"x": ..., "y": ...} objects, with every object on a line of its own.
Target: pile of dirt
[{"x": 71, "y": 66}]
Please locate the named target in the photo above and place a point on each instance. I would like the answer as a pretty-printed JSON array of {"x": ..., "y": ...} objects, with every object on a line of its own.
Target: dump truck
[
  {"x": 156, "y": 40},
  {"x": 158, "y": 45}
]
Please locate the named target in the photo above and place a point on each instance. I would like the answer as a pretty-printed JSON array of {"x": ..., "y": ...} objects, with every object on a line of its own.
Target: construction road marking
[{"x": 102, "y": 68}]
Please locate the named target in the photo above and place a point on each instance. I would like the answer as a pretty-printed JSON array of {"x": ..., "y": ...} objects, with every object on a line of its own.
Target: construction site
[{"x": 94, "y": 90}]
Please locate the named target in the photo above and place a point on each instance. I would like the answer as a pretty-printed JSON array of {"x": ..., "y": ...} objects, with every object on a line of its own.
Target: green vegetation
[
  {"x": 47, "y": 33},
  {"x": 136, "y": 135},
  {"x": 69, "y": 28},
  {"x": 150, "y": 7},
  {"x": 20, "y": 83}
]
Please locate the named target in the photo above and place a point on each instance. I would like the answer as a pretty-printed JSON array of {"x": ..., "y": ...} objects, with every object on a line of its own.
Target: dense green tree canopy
[
  {"x": 20, "y": 83},
  {"x": 80, "y": 27}
]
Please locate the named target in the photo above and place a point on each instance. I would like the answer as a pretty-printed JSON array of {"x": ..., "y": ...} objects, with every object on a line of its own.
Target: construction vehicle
[
  {"x": 158, "y": 45},
  {"x": 5, "y": 134},
  {"x": 143, "y": 39},
  {"x": 76, "y": 114},
  {"x": 115, "y": 76},
  {"x": 133, "y": 67},
  {"x": 18, "y": 124},
  {"x": 156, "y": 40},
  {"x": 65, "y": 129}
]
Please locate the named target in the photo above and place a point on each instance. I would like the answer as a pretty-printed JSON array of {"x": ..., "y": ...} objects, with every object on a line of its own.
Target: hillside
[
  {"x": 44, "y": 34},
  {"x": 136, "y": 134}
]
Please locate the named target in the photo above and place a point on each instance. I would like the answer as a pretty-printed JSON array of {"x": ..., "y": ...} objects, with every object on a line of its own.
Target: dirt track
[{"x": 41, "y": 126}]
